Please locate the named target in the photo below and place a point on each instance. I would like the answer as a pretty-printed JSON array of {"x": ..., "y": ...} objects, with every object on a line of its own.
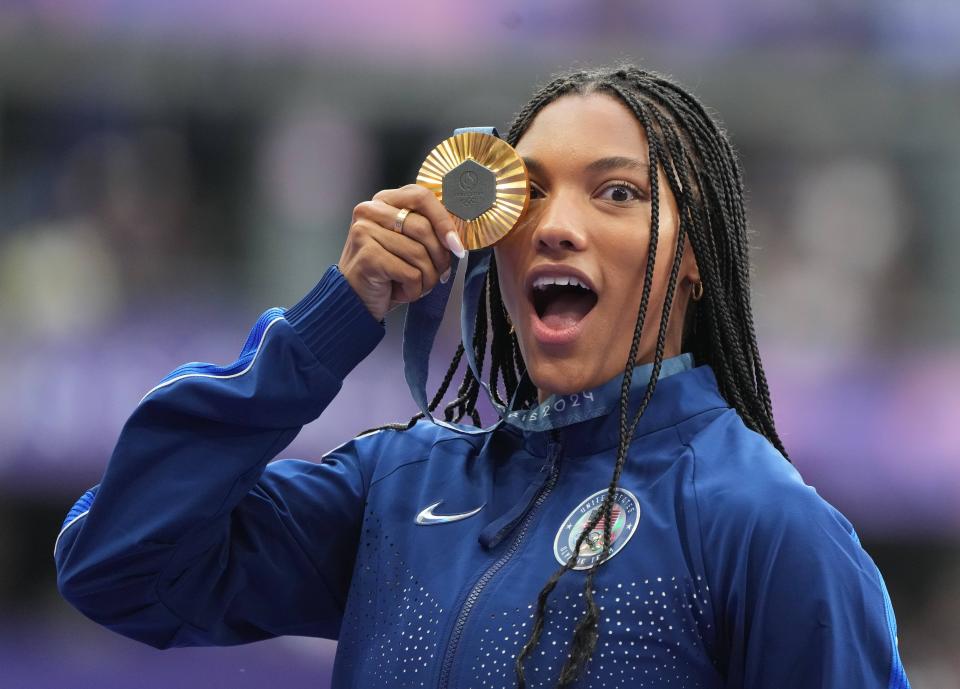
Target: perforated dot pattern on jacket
[
  {"x": 655, "y": 631},
  {"x": 395, "y": 623},
  {"x": 652, "y": 634}
]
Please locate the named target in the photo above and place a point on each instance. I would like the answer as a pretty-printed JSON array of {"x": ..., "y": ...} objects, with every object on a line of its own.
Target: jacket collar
[{"x": 683, "y": 390}]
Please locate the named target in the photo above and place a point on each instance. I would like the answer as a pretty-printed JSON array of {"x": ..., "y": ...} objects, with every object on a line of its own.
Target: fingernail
[
  {"x": 453, "y": 243},
  {"x": 445, "y": 276}
]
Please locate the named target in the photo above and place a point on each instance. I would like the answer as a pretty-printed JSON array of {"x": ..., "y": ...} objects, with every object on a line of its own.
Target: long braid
[
  {"x": 719, "y": 153},
  {"x": 501, "y": 345},
  {"x": 704, "y": 176},
  {"x": 727, "y": 336},
  {"x": 727, "y": 187},
  {"x": 585, "y": 633}
]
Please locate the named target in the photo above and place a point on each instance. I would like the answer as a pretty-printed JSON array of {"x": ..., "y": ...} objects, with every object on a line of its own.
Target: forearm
[{"x": 193, "y": 449}]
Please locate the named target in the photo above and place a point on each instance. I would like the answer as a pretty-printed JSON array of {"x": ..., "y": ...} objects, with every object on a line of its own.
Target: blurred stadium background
[{"x": 168, "y": 170}]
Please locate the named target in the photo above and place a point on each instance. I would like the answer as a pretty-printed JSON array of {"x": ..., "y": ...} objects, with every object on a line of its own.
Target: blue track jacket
[{"x": 422, "y": 552}]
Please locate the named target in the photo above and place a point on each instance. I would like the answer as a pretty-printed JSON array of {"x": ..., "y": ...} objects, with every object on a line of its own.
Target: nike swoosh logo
[{"x": 427, "y": 516}]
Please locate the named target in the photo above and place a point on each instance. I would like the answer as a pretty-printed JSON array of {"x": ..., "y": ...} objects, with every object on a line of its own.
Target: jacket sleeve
[
  {"x": 800, "y": 603},
  {"x": 191, "y": 538}
]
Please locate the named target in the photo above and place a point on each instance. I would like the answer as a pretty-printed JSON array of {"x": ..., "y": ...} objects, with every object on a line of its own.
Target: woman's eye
[{"x": 620, "y": 192}]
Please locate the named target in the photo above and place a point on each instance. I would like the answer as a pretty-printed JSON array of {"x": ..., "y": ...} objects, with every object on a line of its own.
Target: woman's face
[{"x": 588, "y": 223}]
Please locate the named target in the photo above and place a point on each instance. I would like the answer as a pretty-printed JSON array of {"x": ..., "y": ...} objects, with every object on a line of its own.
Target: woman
[{"x": 510, "y": 557}]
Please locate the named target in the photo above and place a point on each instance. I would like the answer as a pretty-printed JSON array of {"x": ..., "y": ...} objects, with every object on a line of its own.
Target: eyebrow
[{"x": 600, "y": 165}]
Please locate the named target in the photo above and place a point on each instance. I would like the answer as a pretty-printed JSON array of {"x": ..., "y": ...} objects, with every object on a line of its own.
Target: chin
[{"x": 562, "y": 378}]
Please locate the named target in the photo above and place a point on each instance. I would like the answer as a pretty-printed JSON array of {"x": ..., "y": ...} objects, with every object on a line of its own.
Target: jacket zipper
[{"x": 491, "y": 572}]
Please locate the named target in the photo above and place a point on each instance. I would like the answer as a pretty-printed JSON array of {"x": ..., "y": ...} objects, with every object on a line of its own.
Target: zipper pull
[{"x": 497, "y": 530}]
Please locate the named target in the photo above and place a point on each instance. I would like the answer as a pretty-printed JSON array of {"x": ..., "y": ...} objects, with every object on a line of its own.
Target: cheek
[
  {"x": 625, "y": 275},
  {"x": 628, "y": 260},
  {"x": 626, "y": 264}
]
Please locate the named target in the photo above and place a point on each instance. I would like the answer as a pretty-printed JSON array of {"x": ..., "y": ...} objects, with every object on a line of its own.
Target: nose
[{"x": 560, "y": 227}]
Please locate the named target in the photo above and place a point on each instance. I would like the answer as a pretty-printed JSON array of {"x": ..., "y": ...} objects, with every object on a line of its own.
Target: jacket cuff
[{"x": 335, "y": 324}]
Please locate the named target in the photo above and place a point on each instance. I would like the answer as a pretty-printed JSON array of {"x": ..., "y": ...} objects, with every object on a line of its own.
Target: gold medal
[{"x": 482, "y": 181}]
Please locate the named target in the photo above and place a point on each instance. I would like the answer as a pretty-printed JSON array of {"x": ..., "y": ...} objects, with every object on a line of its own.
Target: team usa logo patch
[{"x": 625, "y": 516}]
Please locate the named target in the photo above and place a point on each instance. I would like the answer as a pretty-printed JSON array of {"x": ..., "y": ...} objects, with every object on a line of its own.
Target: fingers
[
  {"x": 422, "y": 200},
  {"x": 416, "y": 228},
  {"x": 407, "y": 262},
  {"x": 385, "y": 267}
]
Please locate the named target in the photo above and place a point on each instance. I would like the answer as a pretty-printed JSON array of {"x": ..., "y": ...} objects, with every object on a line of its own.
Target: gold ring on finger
[{"x": 398, "y": 221}]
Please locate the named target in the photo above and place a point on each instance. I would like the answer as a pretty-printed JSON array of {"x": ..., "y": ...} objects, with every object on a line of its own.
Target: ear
[{"x": 689, "y": 270}]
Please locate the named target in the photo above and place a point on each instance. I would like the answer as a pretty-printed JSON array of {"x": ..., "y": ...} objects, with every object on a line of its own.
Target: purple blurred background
[{"x": 169, "y": 170}]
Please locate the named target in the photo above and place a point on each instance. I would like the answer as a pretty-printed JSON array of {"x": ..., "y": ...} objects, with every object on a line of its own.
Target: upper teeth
[{"x": 543, "y": 282}]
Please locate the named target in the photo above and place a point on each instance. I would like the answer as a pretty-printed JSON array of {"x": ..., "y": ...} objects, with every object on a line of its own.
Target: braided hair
[{"x": 704, "y": 176}]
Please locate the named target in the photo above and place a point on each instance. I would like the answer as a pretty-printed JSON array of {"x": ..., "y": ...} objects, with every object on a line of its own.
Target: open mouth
[{"x": 562, "y": 302}]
